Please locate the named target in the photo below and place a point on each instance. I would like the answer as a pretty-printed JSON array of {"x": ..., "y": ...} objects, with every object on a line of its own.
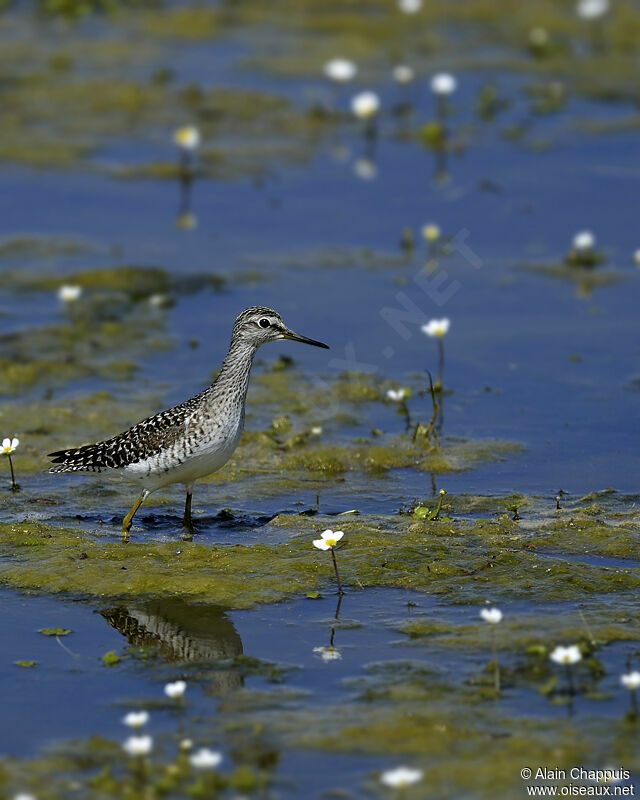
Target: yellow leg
[{"x": 127, "y": 521}]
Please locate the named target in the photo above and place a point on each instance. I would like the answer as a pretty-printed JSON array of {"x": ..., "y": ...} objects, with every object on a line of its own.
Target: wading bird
[{"x": 190, "y": 440}]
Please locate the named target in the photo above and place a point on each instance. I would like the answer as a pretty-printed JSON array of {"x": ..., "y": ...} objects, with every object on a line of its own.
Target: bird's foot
[{"x": 188, "y": 531}]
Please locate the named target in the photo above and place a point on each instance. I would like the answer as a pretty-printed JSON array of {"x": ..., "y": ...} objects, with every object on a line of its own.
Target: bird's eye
[{"x": 264, "y": 323}]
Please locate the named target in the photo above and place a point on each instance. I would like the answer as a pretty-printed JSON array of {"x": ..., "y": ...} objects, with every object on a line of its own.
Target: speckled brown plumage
[{"x": 192, "y": 439}]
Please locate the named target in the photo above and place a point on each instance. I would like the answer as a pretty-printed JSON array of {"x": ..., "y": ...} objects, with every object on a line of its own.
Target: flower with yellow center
[
  {"x": 329, "y": 539},
  {"x": 431, "y": 232},
  {"x": 365, "y": 105},
  {"x": 9, "y": 445},
  {"x": 68, "y": 293},
  {"x": 631, "y": 680},
  {"x": 187, "y": 137},
  {"x": 328, "y": 654},
  {"x": 436, "y": 327},
  {"x": 566, "y": 655}
]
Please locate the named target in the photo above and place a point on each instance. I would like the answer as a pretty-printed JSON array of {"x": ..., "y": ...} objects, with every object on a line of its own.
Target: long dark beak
[{"x": 295, "y": 337}]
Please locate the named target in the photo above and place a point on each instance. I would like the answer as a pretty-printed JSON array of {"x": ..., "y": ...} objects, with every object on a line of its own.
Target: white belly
[{"x": 208, "y": 456}]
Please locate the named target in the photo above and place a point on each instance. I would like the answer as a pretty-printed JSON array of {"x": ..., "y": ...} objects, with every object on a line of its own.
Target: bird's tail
[{"x": 89, "y": 458}]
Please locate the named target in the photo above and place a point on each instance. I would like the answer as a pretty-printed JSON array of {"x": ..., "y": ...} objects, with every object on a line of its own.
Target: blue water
[{"x": 511, "y": 367}]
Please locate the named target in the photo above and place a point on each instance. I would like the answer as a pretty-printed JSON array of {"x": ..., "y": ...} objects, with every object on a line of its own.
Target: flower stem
[
  {"x": 496, "y": 663},
  {"x": 407, "y": 415},
  {"x": 572, "y": 690},
  {"x": 14, "y": 485},
  {"x": 440, "y": 361},
  {"x": 335, "y": 568},
  {"x": 440, "y": 501}
]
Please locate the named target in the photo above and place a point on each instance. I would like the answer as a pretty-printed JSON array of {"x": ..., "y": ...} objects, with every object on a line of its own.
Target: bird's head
[{"x": 257, "y": 325}]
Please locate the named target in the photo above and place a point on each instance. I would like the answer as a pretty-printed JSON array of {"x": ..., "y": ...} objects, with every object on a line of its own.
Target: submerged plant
[
  {"x": 10, "y": 446},
  {"x": 493, "y": 616},
  {"x": 328, "y": 541}
]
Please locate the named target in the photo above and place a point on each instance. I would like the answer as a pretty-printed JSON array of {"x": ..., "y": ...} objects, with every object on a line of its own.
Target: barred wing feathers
[{"x": 146, "y": 438}]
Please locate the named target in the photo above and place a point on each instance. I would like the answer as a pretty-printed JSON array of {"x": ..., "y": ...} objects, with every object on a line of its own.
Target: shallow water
[{"x": 541, "y": 379}]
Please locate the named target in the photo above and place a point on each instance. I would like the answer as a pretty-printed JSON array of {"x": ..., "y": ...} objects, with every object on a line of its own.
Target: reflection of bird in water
[{"x": 182, "y": 631}]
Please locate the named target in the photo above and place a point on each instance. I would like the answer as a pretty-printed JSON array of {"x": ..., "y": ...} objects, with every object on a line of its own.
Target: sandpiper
[{"x": 190, "y": 440}]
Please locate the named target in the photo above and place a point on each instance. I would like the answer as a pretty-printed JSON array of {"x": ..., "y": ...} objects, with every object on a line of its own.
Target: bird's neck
[{"x": 233, "y": 377}]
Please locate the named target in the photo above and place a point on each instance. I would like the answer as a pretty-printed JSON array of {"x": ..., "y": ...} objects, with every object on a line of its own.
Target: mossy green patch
[{"x": 466, "y": 561}]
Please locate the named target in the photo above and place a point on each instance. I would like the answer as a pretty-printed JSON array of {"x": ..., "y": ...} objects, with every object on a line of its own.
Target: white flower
[
  {"x": 636, "y": 257},
  {"x": 68, "y": 293},
  {"x": 340, "y": 70},
  {"x": 491, "y": 615},
  {"x": 631, "y": 680},
  {"x": 403, "y": 74},
  {"x": 397, "y": 395},
  {"x": 539, "y": 37},
  {"x": 205, "y": 759},
  {"x": 400, "y": 777},
  {"x": 138, "y": 745},
  {"x": 410, "y": 6},
  {"x": 443, "y": 83},
  {"x": 365, "y": 169},
  {"x": 592, "y": 9},
  {"x": 9, "y": 445},
  {"x": 431, "y": 232},
  {"x": 329, "y": 540},
  {"x": 365, "y": 105},
  {"x": 175, "y": 690},
  {"x": 316, "y": 430},
  {"x": 136, "y": 719},
  {"x": 187, "y": 137},
  {"x": 436, "y": 327},
  {"x": 584, "y": 240},
  {"x": 24, "y": 796},
  {"x": 566, "y": 655},
  {"x": 328, "y": 653}
]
